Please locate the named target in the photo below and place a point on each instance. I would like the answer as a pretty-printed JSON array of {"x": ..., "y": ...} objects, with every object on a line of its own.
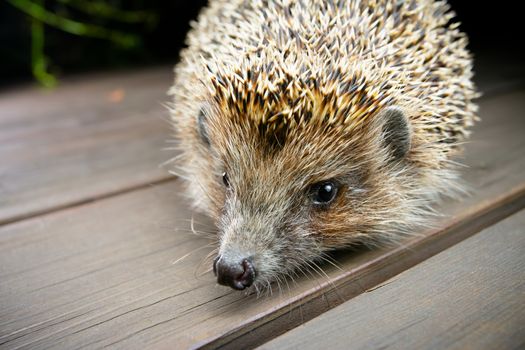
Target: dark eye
[
  {"x": 323, "y": 192},
  {"x": 225, "y": 180}
]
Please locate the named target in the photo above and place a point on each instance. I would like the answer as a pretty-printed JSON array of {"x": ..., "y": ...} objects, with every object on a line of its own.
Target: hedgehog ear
[
  {"x": 396, "y": 131},
  {"x": 202, "y": 127}
]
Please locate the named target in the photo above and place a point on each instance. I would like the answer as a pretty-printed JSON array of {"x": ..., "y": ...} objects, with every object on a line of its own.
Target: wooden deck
[{"x": 96, "y": 248}]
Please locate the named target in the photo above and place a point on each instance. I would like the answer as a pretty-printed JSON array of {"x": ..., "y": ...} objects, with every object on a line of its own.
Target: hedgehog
[{"x": 307, "y": 126}]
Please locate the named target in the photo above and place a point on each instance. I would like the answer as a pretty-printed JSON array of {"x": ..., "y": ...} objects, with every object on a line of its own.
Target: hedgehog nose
[{"x": 236, "y": 274}]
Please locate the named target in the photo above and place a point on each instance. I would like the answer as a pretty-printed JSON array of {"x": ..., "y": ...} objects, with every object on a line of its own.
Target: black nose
[{"x": 236, "y": 274}]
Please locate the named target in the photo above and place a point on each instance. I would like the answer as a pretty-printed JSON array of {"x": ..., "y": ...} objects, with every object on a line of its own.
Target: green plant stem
[
  {"x": 38, "y": 58},
  {"x": 37, "y": 11}
]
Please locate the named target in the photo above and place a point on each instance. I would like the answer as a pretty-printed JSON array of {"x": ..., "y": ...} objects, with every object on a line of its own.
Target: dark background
[{"x": 494, "y": 28}]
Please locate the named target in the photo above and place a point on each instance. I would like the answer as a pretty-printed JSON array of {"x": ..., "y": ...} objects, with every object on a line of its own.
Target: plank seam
[{"x": 87, "y": 200}]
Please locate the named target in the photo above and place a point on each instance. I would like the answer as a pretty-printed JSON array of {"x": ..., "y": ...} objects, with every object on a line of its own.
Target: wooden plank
[
  {"x": 88, "y": 138},
  {"x": 471, "y": 296},
  {"x": 103, "y": 274}
]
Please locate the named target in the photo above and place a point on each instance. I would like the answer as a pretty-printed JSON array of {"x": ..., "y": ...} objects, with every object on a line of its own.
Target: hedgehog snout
[{"x": 234, "y": 270}]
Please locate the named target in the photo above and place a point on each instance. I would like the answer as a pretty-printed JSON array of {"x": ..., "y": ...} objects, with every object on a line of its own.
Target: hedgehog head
[{"x": 299, "y": 170}]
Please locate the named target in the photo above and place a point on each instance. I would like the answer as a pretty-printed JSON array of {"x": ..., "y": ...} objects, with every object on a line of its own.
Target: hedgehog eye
[
  {"x": 225, "y": 180},
  {"x": 323, "y": 193}
]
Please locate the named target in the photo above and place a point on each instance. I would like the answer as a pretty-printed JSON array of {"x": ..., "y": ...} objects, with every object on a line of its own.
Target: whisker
[{"x": 193, "y": 251}]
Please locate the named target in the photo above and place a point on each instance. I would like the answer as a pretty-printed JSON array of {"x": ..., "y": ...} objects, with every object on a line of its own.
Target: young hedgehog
[{"x": 312, "y": 125}]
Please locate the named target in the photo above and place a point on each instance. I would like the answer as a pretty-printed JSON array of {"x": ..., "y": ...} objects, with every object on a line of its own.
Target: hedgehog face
[{"x": 282, "y": 198}]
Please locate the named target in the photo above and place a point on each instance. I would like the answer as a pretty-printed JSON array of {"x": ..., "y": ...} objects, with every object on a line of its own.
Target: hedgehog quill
[{"x": 308, "y": 125}]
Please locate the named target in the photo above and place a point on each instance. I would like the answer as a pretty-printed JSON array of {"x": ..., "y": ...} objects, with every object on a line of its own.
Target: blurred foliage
[{"x": 97, "y": 20}]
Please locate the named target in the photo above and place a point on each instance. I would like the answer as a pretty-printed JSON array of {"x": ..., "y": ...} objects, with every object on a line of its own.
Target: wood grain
[
  {"x": 88, "y": 138},
  {"x": 103, "y": 273},
  {"x": 471, "y": 296}
]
